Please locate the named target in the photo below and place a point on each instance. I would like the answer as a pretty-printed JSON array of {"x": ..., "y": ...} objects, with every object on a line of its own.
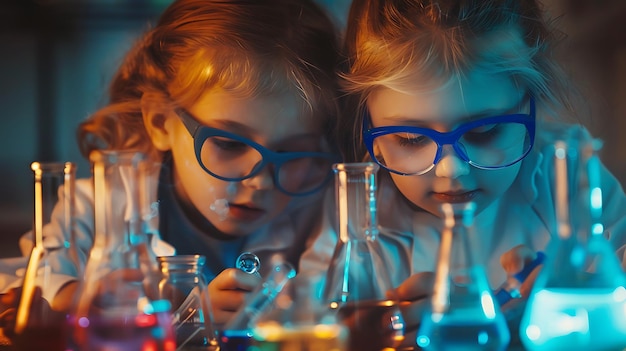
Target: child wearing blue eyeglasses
[
  {"x": 458, "y": 101},
  {"x": 237, "y": 100}
]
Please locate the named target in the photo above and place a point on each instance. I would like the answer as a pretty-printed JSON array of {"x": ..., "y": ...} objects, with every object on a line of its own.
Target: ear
[{"x": 155, "y": 117}]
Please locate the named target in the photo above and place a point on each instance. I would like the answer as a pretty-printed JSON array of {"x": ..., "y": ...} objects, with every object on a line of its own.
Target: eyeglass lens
[
  {"x": 488, "y": 146},
  {"x": 235, "y": 160}
]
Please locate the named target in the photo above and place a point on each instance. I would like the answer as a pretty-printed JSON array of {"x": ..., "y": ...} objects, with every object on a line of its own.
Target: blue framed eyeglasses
[
  {"x": 488, "y": 143},
  {"x": 230, "y": 157}
]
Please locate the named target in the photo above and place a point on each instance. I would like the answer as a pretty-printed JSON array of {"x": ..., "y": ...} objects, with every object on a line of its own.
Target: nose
[
  {"x": 262, "y": 180},
  {"x": 451, "y": 165}
]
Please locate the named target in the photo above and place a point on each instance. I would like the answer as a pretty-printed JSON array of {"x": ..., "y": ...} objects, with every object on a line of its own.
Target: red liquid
[
  {"x": 373, "y": 325},
  {"x": 50, "y": 338},
  {"x": 141, "y": 333}
]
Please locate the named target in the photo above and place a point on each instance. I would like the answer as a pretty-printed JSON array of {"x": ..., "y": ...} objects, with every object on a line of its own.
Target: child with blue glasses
[
  {"x": 237, "y": 101},
  {"x": 458, "y": 101}
]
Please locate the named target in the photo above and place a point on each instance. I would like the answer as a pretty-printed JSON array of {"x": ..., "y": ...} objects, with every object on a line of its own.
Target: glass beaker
[
  {"x": 45, "y": 299},
  {"x": 237, "y": 333},
  {"x": 463, "y": 314},
  {"x": 579, "y": 298},
  {"x": 299, "y": 322},
  {"x": 118, "y": 307},
  {"x": 358, "y": 279},
  {"x": 185, "y": 287}
]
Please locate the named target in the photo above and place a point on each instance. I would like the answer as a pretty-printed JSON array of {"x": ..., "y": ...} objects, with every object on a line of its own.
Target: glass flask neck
[
  {"x": 456, "y": 266},
  {"x": 578, "y": 192},
  {"x": 120, "y": 178},
  {"x": 355, "y": 190},
  {"x": 185, "y": 264},
  {"x": 51, "y": 177}
]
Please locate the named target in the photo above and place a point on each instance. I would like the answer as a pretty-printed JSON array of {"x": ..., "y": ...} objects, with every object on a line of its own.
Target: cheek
[
  {"x": 194, "y": 185},
  {"x": 413, "y": 188},
  {"x": 497, "y": 182},
  {"x": 280, "y": 202}
]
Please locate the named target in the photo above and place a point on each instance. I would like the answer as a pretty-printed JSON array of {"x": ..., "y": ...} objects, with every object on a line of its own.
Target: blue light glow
[
  {"x": 422, "y": 341},
  {"x": 483, "y": 338}
]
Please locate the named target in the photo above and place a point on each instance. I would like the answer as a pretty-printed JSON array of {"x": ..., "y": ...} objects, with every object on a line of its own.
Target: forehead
[
  {"x": 476, "y": 93},
  {"x": 280, "y": 112}
]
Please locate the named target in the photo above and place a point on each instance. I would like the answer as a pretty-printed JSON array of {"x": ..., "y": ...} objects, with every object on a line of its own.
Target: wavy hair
[
  {"x": 398, "y": 43},
  {"x": 247, "y": 47}
]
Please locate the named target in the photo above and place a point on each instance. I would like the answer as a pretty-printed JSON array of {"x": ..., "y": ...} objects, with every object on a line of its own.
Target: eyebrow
[
  {"x": 234, "y": 127},
  {"x": 477, "y": 116}
]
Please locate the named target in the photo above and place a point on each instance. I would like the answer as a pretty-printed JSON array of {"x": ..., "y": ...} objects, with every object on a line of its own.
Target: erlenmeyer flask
[
  {"x": 463, "y": 314},
  {"x": 579, "y": 298},
  {"x": 358, "y": 277},
  {"x": 118, "y": 306},
  {"x": 185, "y": 287},
  {"x": 45, "y": 300}
]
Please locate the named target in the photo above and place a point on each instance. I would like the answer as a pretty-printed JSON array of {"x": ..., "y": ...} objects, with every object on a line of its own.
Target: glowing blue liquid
[
  {"x": 581, "y": 319},
  {"x": 460, "y": 331}
]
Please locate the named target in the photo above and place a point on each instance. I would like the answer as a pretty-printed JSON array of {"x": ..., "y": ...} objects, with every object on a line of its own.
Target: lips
[
  {"x": 455, "y": 196},
  {"x": 245, "y": 212}
]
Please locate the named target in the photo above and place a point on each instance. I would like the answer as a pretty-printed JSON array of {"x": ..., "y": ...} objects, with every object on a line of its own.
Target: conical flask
[
  {"x": 463, "y": 314},
  {"x": 118, "y": 307},
  {"x": 358, "y": 279},
  {"x": 185, "y": 287},
  {"x": 45, "y": 299},
  {"x": 578, "y": 301}
]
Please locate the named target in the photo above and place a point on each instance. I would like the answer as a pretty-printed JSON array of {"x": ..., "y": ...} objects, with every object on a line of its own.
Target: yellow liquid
[{"x": 272, "y": 337}]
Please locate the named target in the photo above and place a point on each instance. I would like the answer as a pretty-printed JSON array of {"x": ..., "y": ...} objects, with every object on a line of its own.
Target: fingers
[
  {"x": 515, "y": 259},
  {"x": 529, "y": 282},
  {"x": 228, "y": 291},
  {"x": 415, "y": 287},
  {"x": 414, "y": 296},
  {"x": 235, "y": 279},
  {"x": 11, "y": 297}
]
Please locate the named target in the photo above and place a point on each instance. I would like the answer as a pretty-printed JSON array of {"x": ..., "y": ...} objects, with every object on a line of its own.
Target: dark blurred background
[{"x": 58, "y": 56}]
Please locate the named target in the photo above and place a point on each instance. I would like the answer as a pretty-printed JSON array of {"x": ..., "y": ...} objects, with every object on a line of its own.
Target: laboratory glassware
[
  {"x": 237, "y": 333},
  {"x": 358, "y": 278},
  {"x": 579, "y": 298},
  {"x": 299, "y": 322},
  {"x": 118, "y": 306},
  {"x": 183, "y": 284},
  {"x": 44, "y": 302},
  {"x": 249, "y": 263},
  {"x": 463, "y": 314}
]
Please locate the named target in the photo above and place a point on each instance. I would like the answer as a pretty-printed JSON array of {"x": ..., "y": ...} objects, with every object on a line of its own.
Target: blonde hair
[
  {"x": 399, "y": 43},
  {"x": 250, "y": 48}
]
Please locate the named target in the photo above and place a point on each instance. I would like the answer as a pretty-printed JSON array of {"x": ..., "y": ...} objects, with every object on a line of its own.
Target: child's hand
[
  {"x": 514, "y": 261},
  {"x": 39, "y": 315},
  {"x": 9, "y": 302},
  {"x": 228, "y": 292},
  {"x": 414, "y": 296}
]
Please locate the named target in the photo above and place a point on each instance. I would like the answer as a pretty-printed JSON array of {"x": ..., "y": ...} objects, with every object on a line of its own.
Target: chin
[{"x": 237, "y": 229}]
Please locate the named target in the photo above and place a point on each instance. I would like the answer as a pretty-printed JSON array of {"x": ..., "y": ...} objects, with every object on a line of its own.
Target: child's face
[
  {"x": 240, "y": 207},
  {"x": 477, "y": 95}
]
